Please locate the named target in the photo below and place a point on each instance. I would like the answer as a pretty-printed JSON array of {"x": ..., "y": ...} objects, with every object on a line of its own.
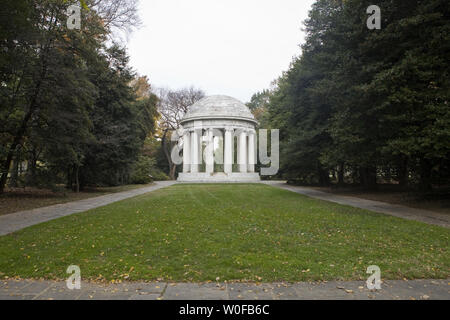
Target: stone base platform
[{"x": 219, "y": 177}]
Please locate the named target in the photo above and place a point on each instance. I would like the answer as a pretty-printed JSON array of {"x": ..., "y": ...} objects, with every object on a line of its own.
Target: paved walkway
[
  {"x": 351, "y": 290},
  {"x": 426, "y": 216},
  {"x": 16, "y": 221}
]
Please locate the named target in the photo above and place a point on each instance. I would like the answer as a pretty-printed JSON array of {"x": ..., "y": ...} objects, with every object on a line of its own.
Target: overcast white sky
[{"x": 231, "y": 47}]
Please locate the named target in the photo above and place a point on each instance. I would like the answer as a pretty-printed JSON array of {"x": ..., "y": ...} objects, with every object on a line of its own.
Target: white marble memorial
[{"x": 219, "y": 132}]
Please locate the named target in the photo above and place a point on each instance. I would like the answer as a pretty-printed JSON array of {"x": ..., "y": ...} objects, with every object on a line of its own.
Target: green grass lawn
[{"x": 232, "y": 232}]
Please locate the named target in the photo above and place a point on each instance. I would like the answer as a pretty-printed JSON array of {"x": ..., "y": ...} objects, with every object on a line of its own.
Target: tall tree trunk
[
  {"x": 16, "y": 142},
  {"x": 403, "y": 172},
  {"x": 69, "y": 178},
  {"x": 31, "y": 168},
  {"x": 166, "y": 148},
  {"x": 173, "y": 171},
  {"x": 15, "y": 174},
  {"x": 354, "y": 174},
  {"x": 18, "y": 137},
  {"x": 324, "y": 176},
  {"x": 77, "y": 178},
  {"x": 368, "y": 177},
  {"x": 425, "y": 184},
  {"x": 341, "y": 174},
  {"x": 81, "y": 179}
]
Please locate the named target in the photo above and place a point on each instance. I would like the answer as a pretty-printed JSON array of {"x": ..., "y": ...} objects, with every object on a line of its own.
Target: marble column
[
  {"x": 187, "y": 152},
  {"x": 251, "y": 151},
  {"x": 194, "y": 151},
  {"x": 200, "y": 149},
  {"x": 209, "y": 151},
  {"x": 228, "y": 151},
  {"x": 243, "y": 152}
]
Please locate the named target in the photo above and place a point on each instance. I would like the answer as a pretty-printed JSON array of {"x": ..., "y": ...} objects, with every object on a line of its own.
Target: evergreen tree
[{"x": 367, "y": 103}]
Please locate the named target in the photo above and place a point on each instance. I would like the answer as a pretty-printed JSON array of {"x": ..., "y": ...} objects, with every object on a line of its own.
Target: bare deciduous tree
[
  {"x": 173, "y": 104},
  {"x": 121, "y": 15}
]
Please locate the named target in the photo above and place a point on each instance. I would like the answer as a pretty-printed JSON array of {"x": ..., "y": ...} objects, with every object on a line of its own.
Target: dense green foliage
[
  {"x": 362, "y": 105},
  {"x": 234, "y": 232},
  {"x": 69, "y": 112}
]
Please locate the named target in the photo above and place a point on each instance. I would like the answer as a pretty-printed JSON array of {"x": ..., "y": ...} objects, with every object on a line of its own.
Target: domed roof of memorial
[{"x": 218, "y": 107}]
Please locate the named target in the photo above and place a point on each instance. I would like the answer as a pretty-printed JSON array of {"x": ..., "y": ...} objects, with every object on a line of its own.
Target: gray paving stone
[
  {"x": 419, "y": 289},
  {"x": 141, "y": 288},
  {"x": 58, "y": 296},
  {"x": 338, "y": 290},
  {"x": 58, "y": 291},
  {"x": 306, "y": 291},
  {"x": 102, "y": 293},
  {"x": 13, "y": 285},
  {"x": 194, "y": 291},
  {"x": 4, "y": 296},
  {"x": 17, "y": 296},
  {"x": 35, "y": 288},
  {"x": 242, "y": 291},
  {"x": 283, "y": 291},
  {"x": 153, "y": 296},
  {"x": 334, "y": 290},
  {"x": 103, "y": 296}
]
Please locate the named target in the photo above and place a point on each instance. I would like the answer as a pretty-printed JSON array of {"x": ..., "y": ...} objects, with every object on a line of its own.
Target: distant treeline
[
  {"x": 72, "y": 111},
  {"x": 366, "y": 106}
]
